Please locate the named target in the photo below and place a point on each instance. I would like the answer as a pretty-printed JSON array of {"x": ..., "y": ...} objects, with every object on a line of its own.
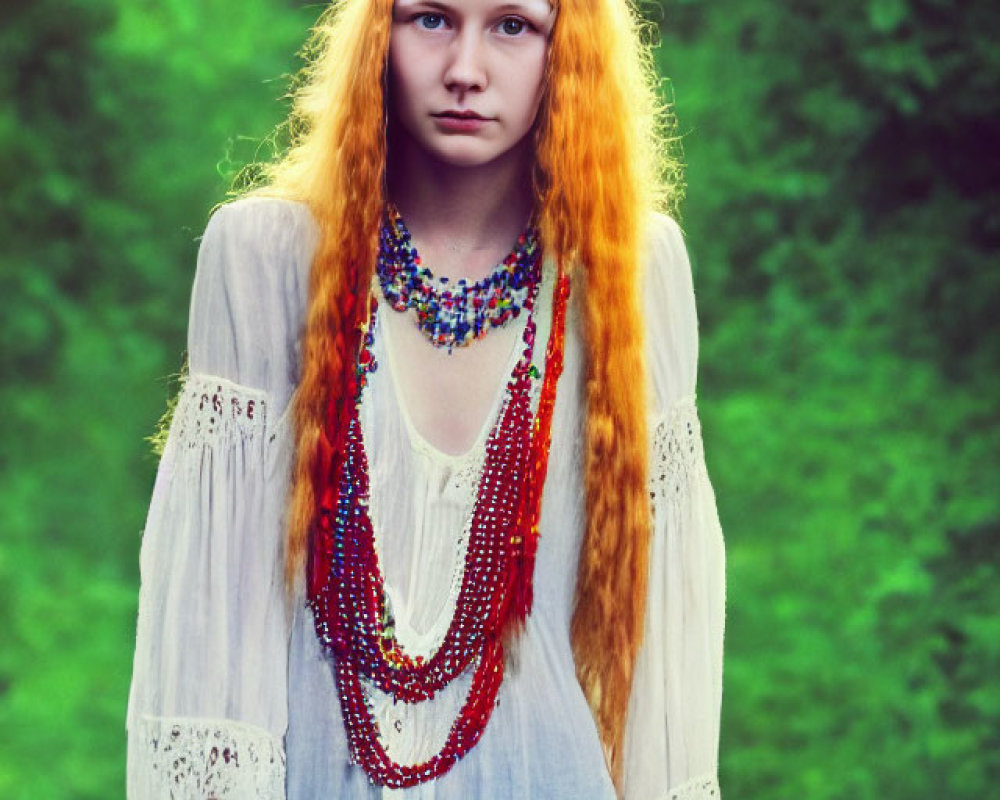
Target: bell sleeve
[
  {"x": 208, "y": 706},
  {"x": 672, "y": 731}
]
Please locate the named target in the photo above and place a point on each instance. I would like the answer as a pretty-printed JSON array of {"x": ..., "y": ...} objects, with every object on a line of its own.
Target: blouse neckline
[{"x": 418, "y": 442}]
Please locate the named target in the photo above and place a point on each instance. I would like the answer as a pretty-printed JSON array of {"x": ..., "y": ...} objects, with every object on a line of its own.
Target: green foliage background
[{"x": 843, "y": 219}]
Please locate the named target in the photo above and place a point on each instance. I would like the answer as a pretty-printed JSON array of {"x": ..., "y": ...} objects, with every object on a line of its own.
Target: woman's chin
[
  {"x": 466, "y": 152},
  {"x": 466, "y": 155}
]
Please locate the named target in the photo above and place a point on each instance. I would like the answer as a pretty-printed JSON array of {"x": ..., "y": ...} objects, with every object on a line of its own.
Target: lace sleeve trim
[
  {"x": 212, "y": 410},
  {"x": 210, "y": 758},
  {"x": 677, "y": 452},
  {"x": 705, "y": 787}
]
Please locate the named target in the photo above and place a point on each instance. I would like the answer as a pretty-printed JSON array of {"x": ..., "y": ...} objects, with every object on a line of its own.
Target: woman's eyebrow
[
  {"x": 435, "y": 4},
  {"x": 540, "y": 7}
]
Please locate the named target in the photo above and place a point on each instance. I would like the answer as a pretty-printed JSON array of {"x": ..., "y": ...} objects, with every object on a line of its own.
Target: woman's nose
[{"x": 466, "y": 70}]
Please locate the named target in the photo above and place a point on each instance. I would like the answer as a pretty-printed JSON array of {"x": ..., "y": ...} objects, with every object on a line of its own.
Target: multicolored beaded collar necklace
[
  {"x": 346, "y": 585},
  {"x": 455, "y": 314}
]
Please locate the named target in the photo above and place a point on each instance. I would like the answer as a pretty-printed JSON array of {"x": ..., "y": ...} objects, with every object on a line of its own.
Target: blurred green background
[{"x": 843, "y": 218}]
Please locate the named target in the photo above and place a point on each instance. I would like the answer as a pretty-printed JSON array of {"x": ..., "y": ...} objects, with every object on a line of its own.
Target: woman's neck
[{"x": 463, "y": 220}]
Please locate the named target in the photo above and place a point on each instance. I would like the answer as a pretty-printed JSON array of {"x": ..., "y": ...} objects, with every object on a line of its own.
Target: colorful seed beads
[
  {"x": 455, "y": 315},
  {"x": 347, "y": 593}
]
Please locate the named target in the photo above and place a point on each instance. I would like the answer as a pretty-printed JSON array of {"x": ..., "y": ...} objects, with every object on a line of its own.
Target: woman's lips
[
  {"x": 466, "y": 113},
  {"x": 460, "y": 121}
]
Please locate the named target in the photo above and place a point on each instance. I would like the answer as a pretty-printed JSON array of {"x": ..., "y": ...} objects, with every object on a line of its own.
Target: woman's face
[{"x": 466, "y": 76}]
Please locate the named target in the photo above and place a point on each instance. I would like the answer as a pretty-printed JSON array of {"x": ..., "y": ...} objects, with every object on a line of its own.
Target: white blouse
[{"x": 232, "y": 696}]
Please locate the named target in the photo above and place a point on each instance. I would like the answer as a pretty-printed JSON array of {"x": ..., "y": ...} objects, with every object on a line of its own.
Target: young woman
[{"x": 433, "y": 518}]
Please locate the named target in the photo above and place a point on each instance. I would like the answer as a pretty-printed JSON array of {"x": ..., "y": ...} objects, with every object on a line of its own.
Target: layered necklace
[
  {"x": 346, "y": 586},
  {"x": 455, "y": 314}
]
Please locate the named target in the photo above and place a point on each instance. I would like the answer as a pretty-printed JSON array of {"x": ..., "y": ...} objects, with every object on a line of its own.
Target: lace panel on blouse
[
  {"x": 211, "y": 410},
  {"x": 702, "y": 788},
  {"x": 677, "y": 452},
  {"x": 211, "y": 759}
]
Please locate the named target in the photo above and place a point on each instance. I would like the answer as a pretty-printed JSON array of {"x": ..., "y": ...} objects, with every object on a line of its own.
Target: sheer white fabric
[{"x": 221, "y": 660}]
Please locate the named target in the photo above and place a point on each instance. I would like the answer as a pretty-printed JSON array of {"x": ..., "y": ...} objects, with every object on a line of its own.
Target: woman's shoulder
[
  {"x": 668, "y": 277},
  {"x": 263, "y": 225},
  {"x": 260, "y": 247},
  {"x": 252, "y": 212},
  {"x": 671, "y": 314},
  {"x": 666, "y": 251},
  {"x": 250, "y": 291}
]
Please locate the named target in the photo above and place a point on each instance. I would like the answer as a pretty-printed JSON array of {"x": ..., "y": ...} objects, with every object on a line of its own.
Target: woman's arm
[
  {"x": 208, "y": 704},
  {"x": 672, "y": 733}
]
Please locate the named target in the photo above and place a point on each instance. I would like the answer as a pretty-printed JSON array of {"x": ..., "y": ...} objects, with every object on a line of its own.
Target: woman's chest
[{"x": 449, "y": 396}]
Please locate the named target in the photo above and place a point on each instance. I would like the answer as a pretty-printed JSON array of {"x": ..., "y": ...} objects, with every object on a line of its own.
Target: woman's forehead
[{"x": 531, "y": 7}]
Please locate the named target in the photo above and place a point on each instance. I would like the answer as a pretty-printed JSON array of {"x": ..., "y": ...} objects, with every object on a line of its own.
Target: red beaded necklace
[{"x": 346, "y": 587}]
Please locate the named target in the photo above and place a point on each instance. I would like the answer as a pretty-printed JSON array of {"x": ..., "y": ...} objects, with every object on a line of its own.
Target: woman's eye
[
  {"x": 430, "y": 22},
  {"x": 513, "y": 26}
]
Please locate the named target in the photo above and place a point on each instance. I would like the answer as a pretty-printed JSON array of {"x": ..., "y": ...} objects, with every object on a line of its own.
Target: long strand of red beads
[{"x": 346, "y": 585}]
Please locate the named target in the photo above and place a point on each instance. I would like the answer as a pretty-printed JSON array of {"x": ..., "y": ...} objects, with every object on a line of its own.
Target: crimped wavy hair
[{"x": 603, "y": 160}]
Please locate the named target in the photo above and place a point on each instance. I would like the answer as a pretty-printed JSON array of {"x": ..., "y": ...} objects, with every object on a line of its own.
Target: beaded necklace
[
  {"x": 346, "y": 585},
  {"x": 455, "y": 314}
]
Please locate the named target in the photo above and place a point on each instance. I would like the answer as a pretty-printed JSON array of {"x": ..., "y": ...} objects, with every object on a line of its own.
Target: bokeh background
[{"x": 843, "y": 219}]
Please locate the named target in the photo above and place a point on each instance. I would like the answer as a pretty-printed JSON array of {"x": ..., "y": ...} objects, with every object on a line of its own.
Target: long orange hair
[{"x": 602, "y": 162}]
